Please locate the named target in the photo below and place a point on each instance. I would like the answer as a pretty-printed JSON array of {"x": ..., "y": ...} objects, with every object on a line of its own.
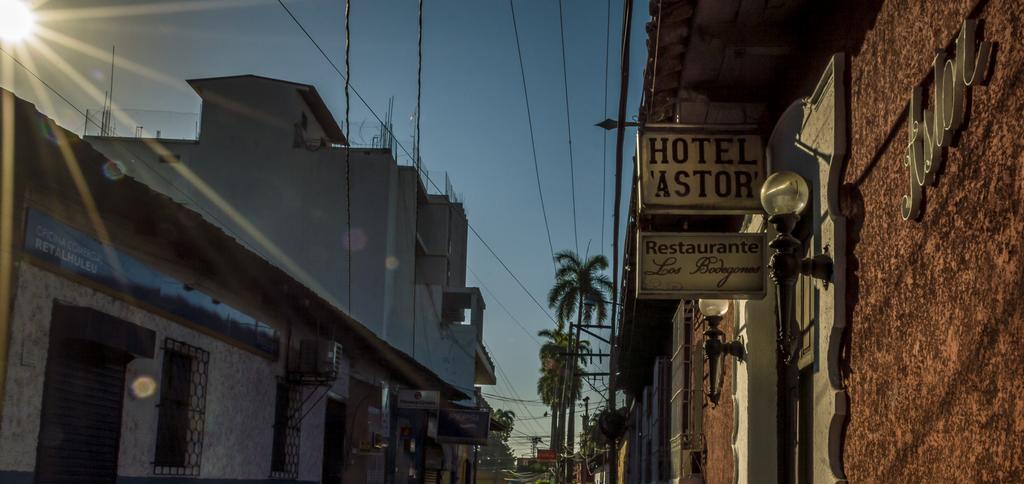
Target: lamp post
[
  {"x": 610, "y": 124},
  {"x": 784, "y": 196},
  {"x": 715, "y": 348}
]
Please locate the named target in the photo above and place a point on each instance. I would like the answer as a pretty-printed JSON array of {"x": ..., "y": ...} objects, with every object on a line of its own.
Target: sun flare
[{"x": 16, "y": 20}]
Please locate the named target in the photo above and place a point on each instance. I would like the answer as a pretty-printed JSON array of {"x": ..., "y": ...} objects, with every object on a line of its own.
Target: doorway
[{"x": 334, "y": 443}]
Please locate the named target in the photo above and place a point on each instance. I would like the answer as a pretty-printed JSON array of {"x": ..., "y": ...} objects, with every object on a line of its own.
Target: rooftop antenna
[
  {"x": 103, "y": 114},
  {"x": 387, "y": 122},
  {"x": 105, "y": 127}
]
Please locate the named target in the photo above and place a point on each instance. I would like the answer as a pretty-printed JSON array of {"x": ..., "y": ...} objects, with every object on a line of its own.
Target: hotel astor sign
[
  {"x": 707, "y": 171},
  {"x": 693, "y": 265},
  {"x": 931, "y": 131}
]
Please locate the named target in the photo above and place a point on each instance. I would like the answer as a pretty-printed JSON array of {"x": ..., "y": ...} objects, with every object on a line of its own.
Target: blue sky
[{"x": 474, "y": 124}]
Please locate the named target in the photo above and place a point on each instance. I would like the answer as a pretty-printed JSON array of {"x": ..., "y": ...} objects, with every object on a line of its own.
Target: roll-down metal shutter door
[
  {"x": 80, "y": 427},
  {"x": 432, "y": 476}
]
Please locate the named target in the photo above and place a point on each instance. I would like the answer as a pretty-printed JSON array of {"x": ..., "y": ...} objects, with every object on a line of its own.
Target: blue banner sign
[
  {"x": 463, "y": 426},
  {"x": 62, "y": 246}
]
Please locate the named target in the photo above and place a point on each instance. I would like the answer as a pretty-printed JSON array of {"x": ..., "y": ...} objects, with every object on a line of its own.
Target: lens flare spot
[
  {"x": 355, "y": 240},
  {"x": 113, "y": 170},
  {"x": 46, "y": 129},
  {"x": 391, "y": 262},
  {"x": 143, "y": 387}
]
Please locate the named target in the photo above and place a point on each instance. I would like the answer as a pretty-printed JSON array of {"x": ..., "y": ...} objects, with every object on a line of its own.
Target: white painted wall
[
  {"x": 755, "y": 386},
  {"x": 240, "y": 401}
]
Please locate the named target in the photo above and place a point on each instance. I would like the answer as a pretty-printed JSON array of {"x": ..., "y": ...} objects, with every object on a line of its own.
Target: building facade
[
  {"x": 272, "y": 166},
  {"x": 143, "y": 341},
  {"x": 898, "y": 366}
]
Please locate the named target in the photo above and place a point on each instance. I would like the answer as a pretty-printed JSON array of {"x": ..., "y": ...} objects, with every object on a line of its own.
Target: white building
[{"x": 270, "y": 167}]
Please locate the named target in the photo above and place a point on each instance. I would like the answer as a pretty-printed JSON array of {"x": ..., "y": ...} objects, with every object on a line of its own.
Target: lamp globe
[
  {"x": 784, "y": 192},
  {"x": 714, "y": 308}
]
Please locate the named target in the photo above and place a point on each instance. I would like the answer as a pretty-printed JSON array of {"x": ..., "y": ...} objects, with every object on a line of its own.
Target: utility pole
[
  {"x": 586, "y": 420},
  {"x": 627, "y": 15},
  {"x": 584, "y": 437},
  {"x": 571, "y": 381}
]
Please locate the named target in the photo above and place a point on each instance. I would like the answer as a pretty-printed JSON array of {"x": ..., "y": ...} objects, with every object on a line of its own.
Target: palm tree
[
  {"x": 506, "y": 418},
  {"x": 549, "y": 385},
  {"x": 580, "y": 289},
  {"x": 552, "y": 383}
]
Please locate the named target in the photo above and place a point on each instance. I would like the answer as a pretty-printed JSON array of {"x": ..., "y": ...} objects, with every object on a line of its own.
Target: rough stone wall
[
  {"x": 935, "y": 305},
  {"x": 718, "y": 421}
]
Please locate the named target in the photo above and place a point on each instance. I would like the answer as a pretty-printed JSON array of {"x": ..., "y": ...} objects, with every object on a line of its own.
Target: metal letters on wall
[
  {"x": 709, "y": 172},
  {"x": 931, "y": 131},
  {"x": 693, "y": 265}
]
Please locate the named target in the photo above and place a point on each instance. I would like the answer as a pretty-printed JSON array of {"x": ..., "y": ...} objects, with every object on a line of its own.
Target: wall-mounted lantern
[
  {"x": 715, "y": 346},
  {"x": 784, "y": 195}
]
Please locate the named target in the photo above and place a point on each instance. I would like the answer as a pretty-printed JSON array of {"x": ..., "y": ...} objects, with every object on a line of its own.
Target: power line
[
  {"x": 406, "y": 151},
  {"x": 533, "y": 144},
  {"x": 508, "y": 383},
  {"x": 593, "y": 388},
  {"x": 502, "y": 306},
  {"x": 501, "y": 372},
  {"x": 514, "y": 392},
  {"x": 510, "y": 399},
  {"x": 604, "y": 157},
  {"x": 354, "y": 90},
  {"x": 523, "y": 435},
  {"x": 534, "y": 418},
  {"x": 348, "y": 164},
  {"x": 51, "y": 88},
  {"x": 419, "y": 80},
  {"x": 528, "y": 293},
  {"x": 181, "y": 192},
  {"x": 568, "y": 124},
  {"x": 654, "y": 66}
]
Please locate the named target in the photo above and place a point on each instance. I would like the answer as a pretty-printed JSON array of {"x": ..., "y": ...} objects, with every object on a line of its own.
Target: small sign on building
[
  {"x": 463, "y": 426},
  {"x": 710, "y": 171},
  {"x": 546, "y": 455},
  {"x": 695, "y": 265},
  {"x": 418, "y": 399}
]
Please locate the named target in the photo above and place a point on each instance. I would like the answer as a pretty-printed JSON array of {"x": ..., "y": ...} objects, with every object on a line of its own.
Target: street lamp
[
  {"x": 784, "y": 195},
  {"x": 715, "y": 348},
  {"x": 610, "y": 124},
  {"x": 16, "y": 20}
]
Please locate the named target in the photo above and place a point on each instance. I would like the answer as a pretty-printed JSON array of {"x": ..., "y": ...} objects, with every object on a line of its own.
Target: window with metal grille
[
  {"x": 284, "y": 462},
  {"x": 182, "y": 410}
]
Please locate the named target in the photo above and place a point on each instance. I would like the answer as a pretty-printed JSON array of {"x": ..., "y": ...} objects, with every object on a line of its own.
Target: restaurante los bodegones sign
[
  {"x": 700, "y": 172},
  {"x": 694, "y": 265}
]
